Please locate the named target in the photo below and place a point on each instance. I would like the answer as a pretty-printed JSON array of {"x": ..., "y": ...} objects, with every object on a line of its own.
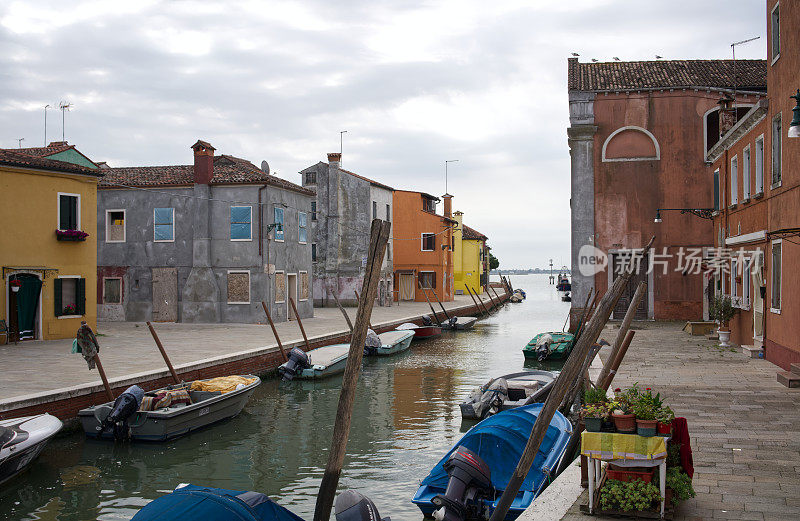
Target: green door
[{"x": 27, "y": 304}]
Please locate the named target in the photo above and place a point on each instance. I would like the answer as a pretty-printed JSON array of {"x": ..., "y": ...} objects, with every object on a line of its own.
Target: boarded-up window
[
  {"x": 112, "y": 290},
  {"x": 280, "y": 287},
  {"x": 238, "y": 287},
  {"x": 303, "y": 285},
  {"x": 115, "y": 226}
]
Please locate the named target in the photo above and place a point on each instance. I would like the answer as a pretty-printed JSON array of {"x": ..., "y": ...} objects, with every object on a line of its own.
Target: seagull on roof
[
  {"x": 616, "y": 59},
  {"x": 595, "y": 60},
  {"x": 658, "y": 57},
  {"x": 575, "y": 54}
]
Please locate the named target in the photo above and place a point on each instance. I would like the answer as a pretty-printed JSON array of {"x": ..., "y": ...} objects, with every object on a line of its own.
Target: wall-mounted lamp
[
  {"x": 274, "y": 226},
  {"x": 703, "y": 213},
  {"x": 794, "y": 126}
]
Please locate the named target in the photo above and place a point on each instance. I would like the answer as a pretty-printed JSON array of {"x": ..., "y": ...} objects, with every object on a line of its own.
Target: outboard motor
[
  {"x": 452, "y": 322},
  {"x": 470, "y": 480},
  {"x": 124, "y": 407},
  {"x": 427, "y": 320},
  {"x": 372, "y": 343},
  {"x": 543, "y": 347},
  {"x": 355, "y": 506},
  {"x": 298, "y": 360}
]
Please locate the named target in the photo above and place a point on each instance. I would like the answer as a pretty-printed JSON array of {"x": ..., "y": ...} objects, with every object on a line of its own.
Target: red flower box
[{"x": 630, "y": 473}]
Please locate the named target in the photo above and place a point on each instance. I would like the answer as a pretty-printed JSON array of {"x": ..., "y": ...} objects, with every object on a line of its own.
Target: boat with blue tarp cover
[{"x": 472, "y": 476}]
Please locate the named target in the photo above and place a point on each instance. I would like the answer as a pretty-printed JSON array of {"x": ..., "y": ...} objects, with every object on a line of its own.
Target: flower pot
[
  {"x": 627, "y": 474},
  {"x": 665, "y": 429},
  {"x": 593, "y": 424},
  {"x": 646, "y": 427},
  {"x": 724, "y": 337},
  {"x": 15, "y": 288},
  {"x": 69, "y": 238},
  {"x": 625, "y": 423}
]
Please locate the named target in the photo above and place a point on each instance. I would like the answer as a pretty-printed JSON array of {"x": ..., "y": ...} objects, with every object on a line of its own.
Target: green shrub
[
  {"x": 721, "y": 309},
  {"x": 681, "y": 485},
  {"x": 594, "y": 395},
  {"x": 632, "y": 496}
]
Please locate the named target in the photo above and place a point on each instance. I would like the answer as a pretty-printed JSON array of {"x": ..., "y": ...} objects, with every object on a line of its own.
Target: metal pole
[
  {"x": 300, "y": 323},
  {"x": 274, "y": 331},
  {"x": 163, "y": 353},
  {"x": 45, "y": 123}
]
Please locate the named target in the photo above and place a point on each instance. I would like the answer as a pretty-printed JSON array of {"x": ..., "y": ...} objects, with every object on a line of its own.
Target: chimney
[
  {"x": 727, "y": 114},
  {"x": 334, "y": 157},
  {"x": 203, "y": 162},
  {"x": 448, "y": 205}
]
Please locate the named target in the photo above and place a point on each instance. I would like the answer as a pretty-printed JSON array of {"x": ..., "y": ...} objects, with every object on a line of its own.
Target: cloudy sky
[{"x": 413, "y": 83}]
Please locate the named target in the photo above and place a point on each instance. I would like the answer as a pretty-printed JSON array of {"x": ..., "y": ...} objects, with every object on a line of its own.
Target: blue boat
[
  {"x": 498, "y": 443},
  {"x": 214, "y": 504}
]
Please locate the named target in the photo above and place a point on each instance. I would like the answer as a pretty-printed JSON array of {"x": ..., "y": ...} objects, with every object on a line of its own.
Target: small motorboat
[
  {"x": 549, "y": 346},
  {"x": 459, "y": 323},
  {"x": 168, "y": 412},
  {"x": 566, "y": 297},
  {"x": 506, "y": 392},
  {"x": 469, "y": 480},
  {"x": 391, "y": 342},
  {"x": 21, "y": 441},
  {"x": 563, "y": 283},
  {"x": 321, "y": 362},
  {"x": 421, "y": 332}
]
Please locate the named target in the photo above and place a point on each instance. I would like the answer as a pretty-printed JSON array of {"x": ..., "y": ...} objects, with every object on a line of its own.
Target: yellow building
[
  {"x": 49, "y": 277},
  {"x": 469, "y": 257}
]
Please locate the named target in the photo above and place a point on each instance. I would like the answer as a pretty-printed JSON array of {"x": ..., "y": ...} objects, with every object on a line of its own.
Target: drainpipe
[{"x": 260, "y": 225}]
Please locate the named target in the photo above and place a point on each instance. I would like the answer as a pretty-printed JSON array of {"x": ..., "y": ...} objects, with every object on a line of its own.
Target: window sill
[
  {"x": 115, "y": 242},
  {"x": 775, "y": 59},
  {"x": 300, "y": 242},
  {"x": 745, "y": 200},
  {"x": 279, "y": 240},
  {"x": 733, "y": 206},
  {"x": 715, "y": 213},
  {"x": 775, "y": 185},
  {"x": 427, "y": 250},
  {"x": 241, "y": 240},
  {"x": 759, "y": 195},
  {"x": 61, "y": 317},
  {"x": 775, "y": 311},
  {"x": 239, "y": 303},
  {"x": 171, "y": 240}
]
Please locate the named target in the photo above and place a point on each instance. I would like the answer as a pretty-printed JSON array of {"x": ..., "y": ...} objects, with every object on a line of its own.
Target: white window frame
[
  {"x": 251, "y": 222},
  {"x": 720, "y": 192},
  {"x": 120, "y": 289},
  {"x": 124, "y": 226},
  {"x": 173, "y": 225},
  {"x": 282, "y": 223},
  {"x": 249, "y": 286},
  {"x": 299, "y": 227},
  {"x": 777, "y": 311},
  {"x": 58, "y": 210},
  {"x": 746, "y": 284},
  {"x": 759, "y": 177},
  {"x": 772, "y": 31},
  {"x": 298, "y": 286},
  {"x": 285, "y": 287},
  {"x": 61, "y": 317},
  {"x": 772, "y": 186},
  {"x": 734, "y": 177},
  {"x": 734, "y": 291},
  {"x": 422, "y": 241},
  {"x": 747, "y": 159}
]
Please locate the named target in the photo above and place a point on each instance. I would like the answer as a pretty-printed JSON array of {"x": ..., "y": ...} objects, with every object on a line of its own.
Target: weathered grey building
[
  {"x": 202, "y": 243},
  {"x": 344, "y": 207}
]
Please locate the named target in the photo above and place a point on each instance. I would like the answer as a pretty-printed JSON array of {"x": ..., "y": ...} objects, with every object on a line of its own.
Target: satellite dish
[{"x": 265, "y": 167}]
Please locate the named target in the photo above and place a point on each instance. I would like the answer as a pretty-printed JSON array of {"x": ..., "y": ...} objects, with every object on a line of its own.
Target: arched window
[{"x": 631, "y": 144}]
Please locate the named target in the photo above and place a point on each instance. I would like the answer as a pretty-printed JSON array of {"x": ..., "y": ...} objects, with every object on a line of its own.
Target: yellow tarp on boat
[{"x": 223, "y": 384}]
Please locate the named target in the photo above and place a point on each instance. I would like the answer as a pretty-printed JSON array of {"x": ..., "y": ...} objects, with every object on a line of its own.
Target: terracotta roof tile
[
  {"x": 53, "y": 148},
  {"x": 472, "y": 234},
  {"x": 717, "y": 74},
  {"x": 13, "y": 157}
]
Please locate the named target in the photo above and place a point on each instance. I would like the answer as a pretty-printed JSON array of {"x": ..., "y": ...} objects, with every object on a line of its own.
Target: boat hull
[
  {"x": 172, "y": 422},
  {"x": 559, "y": 349},
  {"x": 424, "y": 332},
  {"x": 462, "y": 324},
  {"x": 35, "y": 432},
  {"x": 523, "y": 388},
  {"x": 394, "y": 342},
  {"x": 326, "y": 361}
]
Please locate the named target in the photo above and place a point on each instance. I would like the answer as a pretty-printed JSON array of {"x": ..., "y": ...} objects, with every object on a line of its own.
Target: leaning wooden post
[
  {"x": 103, "y": 377},
  {"x": 300, "y": 323},
  {"x": 492, "y": 305},
  {"x": 435, "y": 317},
  {"x": 495, "y": 293},
  {"x": 359, "y": 298},
  {"x": 440, "y": 302},
  {"x": 570, "y": 372},
  {"x": 379, "y": 236},
  {"x": 473, "y": 299},
  {"x": 163, "y": 353},
  {"x": 615, "y": 363},
  {"x": 274, "y": 331},
  {"x": 339, "y": 305},
  {"x": 480, "y": 302},
  {"x": 623, "y": 330}
]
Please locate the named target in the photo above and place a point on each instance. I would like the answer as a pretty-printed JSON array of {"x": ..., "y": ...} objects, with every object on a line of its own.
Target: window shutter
[
  {"x": 73, "y": 213},
  {"x": 80, "y": 296},
  {"x": 63, "y": 214},
  {"x": 433, "y": 281},
  {"x": 57, "y": 297}
]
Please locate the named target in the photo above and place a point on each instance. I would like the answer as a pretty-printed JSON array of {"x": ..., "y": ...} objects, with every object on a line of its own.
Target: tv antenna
[
  {"x": 19, "y": 141},
  {"x": 45, "y": 123},
  {"x": 735, "y": 79},
  {"x": 64, "y": 106}
]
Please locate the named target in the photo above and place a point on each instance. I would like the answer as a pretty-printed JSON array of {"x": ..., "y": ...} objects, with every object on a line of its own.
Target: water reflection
[{"x": 406, "y": 416}]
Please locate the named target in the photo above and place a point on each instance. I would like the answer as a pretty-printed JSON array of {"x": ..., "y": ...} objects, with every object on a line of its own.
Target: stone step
[
  {"x": 789, "y": 379},
  {"x": 753, "y": 351},
  {"x": 794, "y": 368}
]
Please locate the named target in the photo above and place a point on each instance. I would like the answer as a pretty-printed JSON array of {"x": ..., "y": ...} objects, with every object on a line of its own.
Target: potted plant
[
  {"x": 645, "y": 407},
  {"x": 15, "y": 285},
  {"x": 632, "y": 496},
  {"x": 665, "y": 417},
  {"x": 680, "y": 484},
  {"x": 70, "y": 309},
  {"x": 593, "y": 416},
  {"x": 71, "y": 235},
  {"x": 622, "y": 410},
  {"x": 721, "y": 309}
]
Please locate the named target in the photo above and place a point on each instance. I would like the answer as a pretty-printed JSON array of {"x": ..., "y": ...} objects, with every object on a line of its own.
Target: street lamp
[
  {"x": 794, "y": 126},
  {"x": 703, "y": 213}
]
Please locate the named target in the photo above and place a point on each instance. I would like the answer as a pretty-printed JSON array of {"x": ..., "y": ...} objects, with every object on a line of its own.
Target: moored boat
[
  {"x": 321, "y": 362},
  {"x": 391, "y": 342},
  {"x": 506, "y": 392},
  {"x": 554, "y": 345},
  {"x": 563, "y": 283},
  {"x": 459, "y": 323},
  {"x": 421, "y": 332},
  {"x": 169, "y": 412},
  {"x": 21, "y": 441},
  {"x": 471, "y": 477}
]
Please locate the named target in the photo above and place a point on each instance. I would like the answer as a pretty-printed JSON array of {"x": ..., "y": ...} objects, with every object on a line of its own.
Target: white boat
[
  {"x": 22, "y": 439},
  {"x": 318, "y": 363},
  {"x": 507, "y": 392},
  {"x": 391, "y": 342}
]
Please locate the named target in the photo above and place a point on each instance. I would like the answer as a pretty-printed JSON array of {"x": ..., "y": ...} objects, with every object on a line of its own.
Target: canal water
[{"x": 406, "y": 417}]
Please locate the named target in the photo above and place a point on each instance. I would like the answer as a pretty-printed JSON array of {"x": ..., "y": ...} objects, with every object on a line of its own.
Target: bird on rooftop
[
  {"x": 575, "y": 54},
  {"x": 595, "y": 60},
  {"x": 616, "y": 59},
  {"x": 658, "y": 57}
]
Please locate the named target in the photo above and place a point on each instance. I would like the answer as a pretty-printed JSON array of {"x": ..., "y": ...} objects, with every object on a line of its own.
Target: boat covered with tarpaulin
[{"x": 555, "y": 345}]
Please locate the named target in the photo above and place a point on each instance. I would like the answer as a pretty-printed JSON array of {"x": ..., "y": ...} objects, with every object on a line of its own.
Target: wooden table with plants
[{"x": 632, "y": 433}]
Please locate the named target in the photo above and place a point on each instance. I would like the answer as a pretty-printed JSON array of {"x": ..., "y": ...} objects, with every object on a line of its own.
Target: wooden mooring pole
[
  {"x": 369, "y": 321},
  {"x": 339, "y": 305},
  {"x": 440, "y": 302},
  {"x": 435, "y": 317},
  {"x": 274, "y": 331},
  {"x": 623, "y": 330},
  {"x": 103, "y": 377},
  {"x": 495, "y": 293},
  {"x": 491, "y": 300},
  {"x": 477, "y": 308},
  {"x": 379, "y": 236},
  {"x": 479, "y": 302},
  {"x": 300, "y": 323},
  {"x": 163, "y": 353}
]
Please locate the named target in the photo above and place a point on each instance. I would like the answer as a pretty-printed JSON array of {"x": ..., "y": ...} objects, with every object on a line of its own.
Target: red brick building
[
  {"x": 639, "y": 133},
  {"x": 759, "y": 204}
]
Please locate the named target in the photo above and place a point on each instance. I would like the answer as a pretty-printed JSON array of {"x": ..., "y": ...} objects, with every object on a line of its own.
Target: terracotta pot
[
  {"x": 664, "y": 429},
  {"x": 625, "y": 423},
  {"x": 646, "y": 427}
]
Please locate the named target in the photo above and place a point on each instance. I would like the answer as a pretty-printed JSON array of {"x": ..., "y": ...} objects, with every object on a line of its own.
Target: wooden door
[
  {"x": 165, "y": 294},
  {"x": 291, "y": 283},
  {"x": 630, "y": 289}
]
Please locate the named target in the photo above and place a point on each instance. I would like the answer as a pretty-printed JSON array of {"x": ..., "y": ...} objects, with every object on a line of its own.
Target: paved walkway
[
  {"x": 127, "y": 348},
  {"x": 745, "y": 427}
]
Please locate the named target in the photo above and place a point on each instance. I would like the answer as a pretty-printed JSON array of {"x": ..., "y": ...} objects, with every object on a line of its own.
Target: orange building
[{"x": 423, "y": 246}]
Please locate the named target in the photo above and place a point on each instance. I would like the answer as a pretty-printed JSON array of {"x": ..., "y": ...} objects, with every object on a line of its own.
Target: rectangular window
[
  {"x": 279, "y": 221},
  {"x": 280, "y": 286},
  {"x": 313, "y": 210},
  {"x": 69, "y": 211},
  {"x": 776, "y": 276},
  {"x": 746, "y": 285},
  {"x": 734, "y": 292},
  {"x": 775, "y": 24},
  {"x": 241, "y": 223},
  {"x": 746, "y": 174},
  {"x": 428, "y": 241},
  {"x": 112, "y": 290},
  {"x": 301, "y": 223},
  {"x": 428, "y": 205},
  {"x": 388, "y": 214},
  {"x": 311, "y": 178},
  {"x": 238, "y": 287},
  {"x": 313, "y": 252},
  {"x": 163, "y": 224},
  {"x": 760, "y": 165},
  {"x": 374, "y": 209},
  {"x": 303, "y": 290},
  {"x": 717, "y": 201},
  {"x": 427, "y": 279},
  {"x": 115, "y": 225},
  {"x": 776, "y": 151},
  {"x": 734, "y": 180},
  {"x": 389, "y": 251},
  {"x": 69, "y": 296}
]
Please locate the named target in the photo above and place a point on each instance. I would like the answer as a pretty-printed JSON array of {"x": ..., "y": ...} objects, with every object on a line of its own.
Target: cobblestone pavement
[{"x": 744, "y": 426}]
